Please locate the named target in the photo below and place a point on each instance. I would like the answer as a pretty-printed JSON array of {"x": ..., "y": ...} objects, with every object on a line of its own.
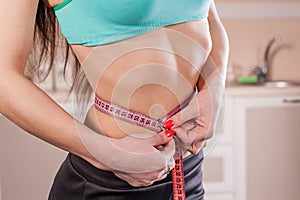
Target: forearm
[
  {"x": 211, "y": 83},
  {"x": 21, "y": 101},
  {"x": 32, "y": 109}
]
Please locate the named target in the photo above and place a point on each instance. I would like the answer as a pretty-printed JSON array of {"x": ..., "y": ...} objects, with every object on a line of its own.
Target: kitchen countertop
[
  {"x": 255, "y": 90},
  {"x": 233, "y": 89}
]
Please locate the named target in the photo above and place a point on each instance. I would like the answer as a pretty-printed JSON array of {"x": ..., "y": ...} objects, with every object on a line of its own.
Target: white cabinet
[
  {"x": 218, "y": 167},
  {"x": 269, "y": 132},
  {"x": 258, "y": 155}
]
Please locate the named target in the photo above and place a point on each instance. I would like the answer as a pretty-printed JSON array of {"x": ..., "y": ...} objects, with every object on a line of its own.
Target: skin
[
  {"x": 15, "y": 44},
  {"x": 156, "y": 65}
]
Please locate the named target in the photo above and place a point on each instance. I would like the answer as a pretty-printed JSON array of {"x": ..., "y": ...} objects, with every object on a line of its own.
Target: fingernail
[
  {"x": 170, "y": 133},
  {"x": 168, "y": 124}
]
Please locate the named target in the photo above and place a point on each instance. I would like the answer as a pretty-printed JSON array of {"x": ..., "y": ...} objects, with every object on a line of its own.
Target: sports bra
[{"x": 97, "y": 22}]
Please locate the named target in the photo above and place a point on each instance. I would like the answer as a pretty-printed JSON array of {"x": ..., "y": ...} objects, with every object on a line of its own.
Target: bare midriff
[{"x": 163, "y": 71}]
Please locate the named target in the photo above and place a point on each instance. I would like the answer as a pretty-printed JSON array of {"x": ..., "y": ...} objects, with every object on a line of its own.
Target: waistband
[{"x": 191, "y": 165}]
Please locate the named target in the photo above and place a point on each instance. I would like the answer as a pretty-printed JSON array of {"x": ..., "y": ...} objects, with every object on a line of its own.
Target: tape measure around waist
[
  {"x": 147, "y": 122},
  {"x": 129, "y": 116}
]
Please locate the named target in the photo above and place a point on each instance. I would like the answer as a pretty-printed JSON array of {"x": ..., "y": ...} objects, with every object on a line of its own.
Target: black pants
[{"x": 79, "y": 180}]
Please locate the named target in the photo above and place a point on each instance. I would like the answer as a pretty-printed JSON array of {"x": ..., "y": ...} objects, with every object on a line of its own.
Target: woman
[{"x": 110, "y": 158}]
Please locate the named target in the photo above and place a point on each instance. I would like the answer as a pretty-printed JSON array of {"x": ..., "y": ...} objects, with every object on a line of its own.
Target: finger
[
  {"x": 196, "y": 147},
  {"x": 143, "y": 183},
  {"x": 163, "y": 177},
  {"x": 159, "y": 147},
  {"x": 154, "y": 176},
  {"x": 190, "y": 112},
  {"x": 189, "y": 125},
  {"x": 168, "y": 151},
  {"x": 192, "y": 140},
  {"x": 159, "y": 139},
  {"x": 204, "y": 130},
  {"x": 131, "y": 181},
  {"x": 171, "y": 164},
  {"x": 186, "y": 137},
  {"x": 136, "y": 180},
  {"x": 164, "y": 174},
  {"x": 196, "y": 134}
]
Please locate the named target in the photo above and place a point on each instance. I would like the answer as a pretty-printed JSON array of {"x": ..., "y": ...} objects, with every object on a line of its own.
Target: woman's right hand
[
  {"x": 143, "y": 179},
  {"x": 143, "y": 155},
  {"x": 139, "y": 161},
  {"x": 154, "y": 162}
]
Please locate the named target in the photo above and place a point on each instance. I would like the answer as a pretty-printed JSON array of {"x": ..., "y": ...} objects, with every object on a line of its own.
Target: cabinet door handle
[{"x": 291, "y": 100}]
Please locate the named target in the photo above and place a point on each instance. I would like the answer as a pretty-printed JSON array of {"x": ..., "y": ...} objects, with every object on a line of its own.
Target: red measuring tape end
[{"x": 177, "y": 173}]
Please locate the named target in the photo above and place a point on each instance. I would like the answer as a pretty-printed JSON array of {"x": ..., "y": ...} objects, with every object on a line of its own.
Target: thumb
[
  {"x": 181, "y": 117},
  {"x": 191, "y": 111}
]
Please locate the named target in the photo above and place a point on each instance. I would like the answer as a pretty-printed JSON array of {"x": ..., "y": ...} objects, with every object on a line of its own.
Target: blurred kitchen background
[{"x": 254, "y": 155}]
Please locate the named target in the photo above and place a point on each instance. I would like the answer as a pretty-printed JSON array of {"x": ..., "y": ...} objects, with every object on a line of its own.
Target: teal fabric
[{"x": 97, "y": 22}]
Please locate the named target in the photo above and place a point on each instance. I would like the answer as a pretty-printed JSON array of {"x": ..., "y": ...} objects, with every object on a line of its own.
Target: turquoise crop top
[{"x": 97, "y": 22}]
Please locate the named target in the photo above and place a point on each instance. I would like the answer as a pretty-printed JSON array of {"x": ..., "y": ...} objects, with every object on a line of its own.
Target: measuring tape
[
  {"x": 177, "y": 173},
  {"x": 145, "y": 121}
]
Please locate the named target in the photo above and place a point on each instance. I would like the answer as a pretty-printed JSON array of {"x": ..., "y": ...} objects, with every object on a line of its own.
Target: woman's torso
[{"x": 169, "y": 77}]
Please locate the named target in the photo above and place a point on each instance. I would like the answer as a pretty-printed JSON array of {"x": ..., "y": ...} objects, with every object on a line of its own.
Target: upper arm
[
  {"x": 216, "y": 64},
  {"x": 213, "y": 13},
  {"x": 17, "y": 20},
  {"x": 220, "y": 45}
]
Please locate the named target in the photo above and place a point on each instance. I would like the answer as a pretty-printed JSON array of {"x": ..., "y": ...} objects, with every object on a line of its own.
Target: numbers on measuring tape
[{"x": 178, "y": 175}]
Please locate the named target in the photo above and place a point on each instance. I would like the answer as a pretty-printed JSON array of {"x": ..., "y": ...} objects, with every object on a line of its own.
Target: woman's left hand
[{"x": 197, "y": 122}]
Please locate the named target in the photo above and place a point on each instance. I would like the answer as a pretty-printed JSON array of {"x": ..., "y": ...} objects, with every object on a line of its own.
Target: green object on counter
[{"x": 247, "y": 79}]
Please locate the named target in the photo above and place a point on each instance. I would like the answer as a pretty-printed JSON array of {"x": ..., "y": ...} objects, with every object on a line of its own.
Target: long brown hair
[{"x": 50, "y": 46}]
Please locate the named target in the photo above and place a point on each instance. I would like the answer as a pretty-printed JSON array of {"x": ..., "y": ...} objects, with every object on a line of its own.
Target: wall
[
  {"x": 251, "y": 28},
  {"x": 27, "y": 165}
]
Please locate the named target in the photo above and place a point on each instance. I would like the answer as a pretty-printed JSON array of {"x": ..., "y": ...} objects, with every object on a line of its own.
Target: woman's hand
[
  {"x": 143, "y": 179},
  {"x": 164, "y": 162},
  {"x": 138, "y": 161},
  {"x": 144, "y": 155},
  {"x": 197, "y": 122}
]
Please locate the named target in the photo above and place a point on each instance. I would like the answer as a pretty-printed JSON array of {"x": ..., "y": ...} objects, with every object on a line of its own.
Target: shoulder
[{"x": 17, "y": 20}]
